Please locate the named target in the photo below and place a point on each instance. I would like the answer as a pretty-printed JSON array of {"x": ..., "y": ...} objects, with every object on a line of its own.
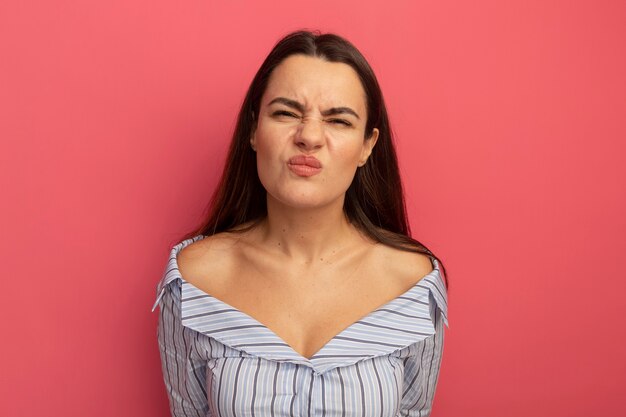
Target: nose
[{"x": 310, "y": 134}]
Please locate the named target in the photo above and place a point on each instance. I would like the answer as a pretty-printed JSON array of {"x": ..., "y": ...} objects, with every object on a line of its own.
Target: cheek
[
  {"x": 348, "y": 152},
  {"x": 345, "y": 164},
  {"x": 268, "y": 147},
  {"x": 266, "y": 165},
  {"x": 269, "y": 160}
]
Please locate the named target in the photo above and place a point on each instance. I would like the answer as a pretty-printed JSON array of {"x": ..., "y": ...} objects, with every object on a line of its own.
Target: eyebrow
[{"x": 300, "y": 107}]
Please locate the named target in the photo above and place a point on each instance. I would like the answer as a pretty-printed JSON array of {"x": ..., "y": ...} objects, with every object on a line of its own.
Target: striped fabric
[{"x": 218, "y": 361}]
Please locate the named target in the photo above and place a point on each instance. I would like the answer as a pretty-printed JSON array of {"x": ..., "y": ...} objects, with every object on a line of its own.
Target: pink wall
[{"x": 510, "y": 122}]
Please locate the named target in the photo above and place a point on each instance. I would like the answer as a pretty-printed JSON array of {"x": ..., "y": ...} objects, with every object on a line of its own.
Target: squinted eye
[
  {"x": 340, "y": 122},
  {"x": 284, "y": 113}
]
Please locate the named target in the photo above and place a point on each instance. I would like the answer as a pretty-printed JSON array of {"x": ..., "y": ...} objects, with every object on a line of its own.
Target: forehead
[{"x": 316, "y": 82}]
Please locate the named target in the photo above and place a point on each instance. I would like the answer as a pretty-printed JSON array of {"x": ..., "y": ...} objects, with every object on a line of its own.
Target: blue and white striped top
[{"x": 220, "y": 362}]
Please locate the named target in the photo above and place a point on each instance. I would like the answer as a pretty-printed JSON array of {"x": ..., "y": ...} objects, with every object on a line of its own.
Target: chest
[{"x": 307, "y": 312}]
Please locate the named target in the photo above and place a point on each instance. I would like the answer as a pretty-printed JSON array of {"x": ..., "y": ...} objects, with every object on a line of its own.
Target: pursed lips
[
  {"x": 305, "y": 160},
  {"x": 304, "y": 165}
]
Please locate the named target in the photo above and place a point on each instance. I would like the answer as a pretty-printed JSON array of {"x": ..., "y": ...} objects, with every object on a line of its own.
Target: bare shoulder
[
  {"x": 210, "y": 258},
  {"x": 407, "y": 268}
]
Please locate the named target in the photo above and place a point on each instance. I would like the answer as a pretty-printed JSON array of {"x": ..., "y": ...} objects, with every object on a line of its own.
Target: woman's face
[{"x": 310, "y": 132}]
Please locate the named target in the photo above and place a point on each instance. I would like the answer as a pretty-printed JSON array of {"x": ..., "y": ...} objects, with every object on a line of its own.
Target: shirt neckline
[{"x": 396, "y": 324}]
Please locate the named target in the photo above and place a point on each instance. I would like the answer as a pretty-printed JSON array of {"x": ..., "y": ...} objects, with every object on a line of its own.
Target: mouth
[{"x": 304, "y": 165}]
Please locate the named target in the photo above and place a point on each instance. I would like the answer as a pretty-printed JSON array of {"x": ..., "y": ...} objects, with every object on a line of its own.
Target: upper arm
[
  {"x": 421, "y": 372},
  {"x": 184, "y": 368},
  {"x": 422, "y": 365}
]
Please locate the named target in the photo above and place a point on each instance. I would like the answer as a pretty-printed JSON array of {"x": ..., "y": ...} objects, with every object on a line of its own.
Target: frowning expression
[{"x": 310, "y": 132}]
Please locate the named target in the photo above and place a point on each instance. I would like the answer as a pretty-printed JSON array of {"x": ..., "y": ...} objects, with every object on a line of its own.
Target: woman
[{"x": 302, "y": 294}]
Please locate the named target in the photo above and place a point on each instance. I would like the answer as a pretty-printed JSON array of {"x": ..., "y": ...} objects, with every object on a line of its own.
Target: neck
[{"x": 307, "y": 235}]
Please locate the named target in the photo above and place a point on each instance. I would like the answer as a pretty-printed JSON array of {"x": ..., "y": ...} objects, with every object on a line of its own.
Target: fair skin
[{"x": 305, "y": 272}]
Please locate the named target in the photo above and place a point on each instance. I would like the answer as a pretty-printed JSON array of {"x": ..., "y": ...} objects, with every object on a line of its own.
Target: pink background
[{"x": 510, "y": 123}]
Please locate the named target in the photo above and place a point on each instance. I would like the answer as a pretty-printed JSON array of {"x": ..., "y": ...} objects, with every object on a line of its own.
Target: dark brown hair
[{"x": 374, "y": 202}]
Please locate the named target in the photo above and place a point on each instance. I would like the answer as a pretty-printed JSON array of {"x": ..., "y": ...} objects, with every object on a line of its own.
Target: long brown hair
[{"x": 374, "y": 202}]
